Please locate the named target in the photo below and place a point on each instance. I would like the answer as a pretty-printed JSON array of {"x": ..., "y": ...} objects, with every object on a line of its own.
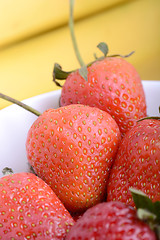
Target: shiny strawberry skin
[
  {"x": 72, "y": 149},
  {"x": 113, "y": 86},
  {"x": 29, "y": 209},
  {"x": 137, "y": 163},
  {"x": 110, "y": 220}
]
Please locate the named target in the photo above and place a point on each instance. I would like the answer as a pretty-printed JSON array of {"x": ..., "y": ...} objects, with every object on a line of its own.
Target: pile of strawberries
[
  {"x": 95, "y": 160},
  {"x": 87, "y": 155}
]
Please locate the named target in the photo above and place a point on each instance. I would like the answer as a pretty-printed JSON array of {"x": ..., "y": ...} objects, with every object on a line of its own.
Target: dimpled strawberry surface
[
  {"x": 114, "y": 86},
  {"x": 72, "y": 148},
  {"x": 29, "y": 209},
  {"x": 111, "y": 220},
  {"x": 137, "y": 163}
]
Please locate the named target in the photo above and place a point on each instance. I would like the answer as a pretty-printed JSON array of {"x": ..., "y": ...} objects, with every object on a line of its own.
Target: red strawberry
[
  {"x": 109, "y": 83},
  {"x": 29, "y": 209},
  {"x": 110, "y": 220},
  {"x": 137, "y": 163},
  {"x": 113, "y": 85},
  {"x": 72, "y": 149}
]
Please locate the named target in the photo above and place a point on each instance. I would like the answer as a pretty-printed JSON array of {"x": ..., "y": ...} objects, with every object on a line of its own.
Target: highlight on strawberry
[{"x": 109, "y": 82}]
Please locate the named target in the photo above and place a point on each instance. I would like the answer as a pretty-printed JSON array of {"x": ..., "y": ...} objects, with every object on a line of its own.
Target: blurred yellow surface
[
  {"x": 20, "y": 19},
  {"x": 27, "y": 55}
]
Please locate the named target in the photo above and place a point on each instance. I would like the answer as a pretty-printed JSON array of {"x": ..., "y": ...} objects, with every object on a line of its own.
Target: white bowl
[{"x": 15, "y": 123}]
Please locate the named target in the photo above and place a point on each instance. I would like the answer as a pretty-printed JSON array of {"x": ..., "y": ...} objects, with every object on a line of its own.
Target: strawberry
[
  {"x": 137, "y": 163},
  {"x": 113, "y": 85},
  {"x": 109, "y": 83},
  {"x": 29, "y": 209},
  {"x": 72, "y": 149},
  {"x": 110, "y": 220}
]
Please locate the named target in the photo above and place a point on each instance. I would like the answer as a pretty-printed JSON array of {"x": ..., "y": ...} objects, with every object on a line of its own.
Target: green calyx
[
  {"x": 7, "y": 171},
  {"x": 59, "y": 74},
  {"x": 147, "y": 210}
]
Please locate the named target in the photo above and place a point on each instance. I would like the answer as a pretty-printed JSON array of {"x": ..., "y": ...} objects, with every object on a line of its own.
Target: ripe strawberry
[
  {"x": 137, "y": 163},
  {"x": 109, "y": 83},
  {"x": 113, "y": 85},
  {"x": 72, "y": 149},
  {"x": 110, "y": 220},
  {"x": 29, "y": 209}
]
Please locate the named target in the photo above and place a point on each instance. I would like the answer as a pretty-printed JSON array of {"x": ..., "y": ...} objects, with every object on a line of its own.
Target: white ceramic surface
[{"x": 15, "y": 123}]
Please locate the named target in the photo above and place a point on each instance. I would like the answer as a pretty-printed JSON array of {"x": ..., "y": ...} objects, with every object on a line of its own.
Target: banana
[{"x": 26, "y": 67}]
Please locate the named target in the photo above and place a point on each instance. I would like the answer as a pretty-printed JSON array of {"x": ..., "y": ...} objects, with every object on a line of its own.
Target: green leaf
[
  {"x": 7, "y": 171},
  {"x": 58, "y": 73},
  {"x": 95, "y": 56},
  {"x": 147, "y": 210},
  {"x": 143, "y": 214},
  {"x": 103, "y": 47},
  {"x": 142, "y": 201},
  {"x": 84, "y": 72},
  {"x": 122, "y": 56},
  {"x": 157, "y": 209}
]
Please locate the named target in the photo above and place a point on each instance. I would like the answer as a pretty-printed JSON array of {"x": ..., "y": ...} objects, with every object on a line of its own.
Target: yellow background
[{"x": 35, "y": 34}]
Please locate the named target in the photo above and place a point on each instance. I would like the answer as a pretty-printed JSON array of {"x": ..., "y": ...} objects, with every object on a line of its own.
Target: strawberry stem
[
  {"x": 83, "y": 70},
  {"x": 59, "y": 74},
  {"x": 71, "y": 26},
  {"x": 23, "y": 105}
]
